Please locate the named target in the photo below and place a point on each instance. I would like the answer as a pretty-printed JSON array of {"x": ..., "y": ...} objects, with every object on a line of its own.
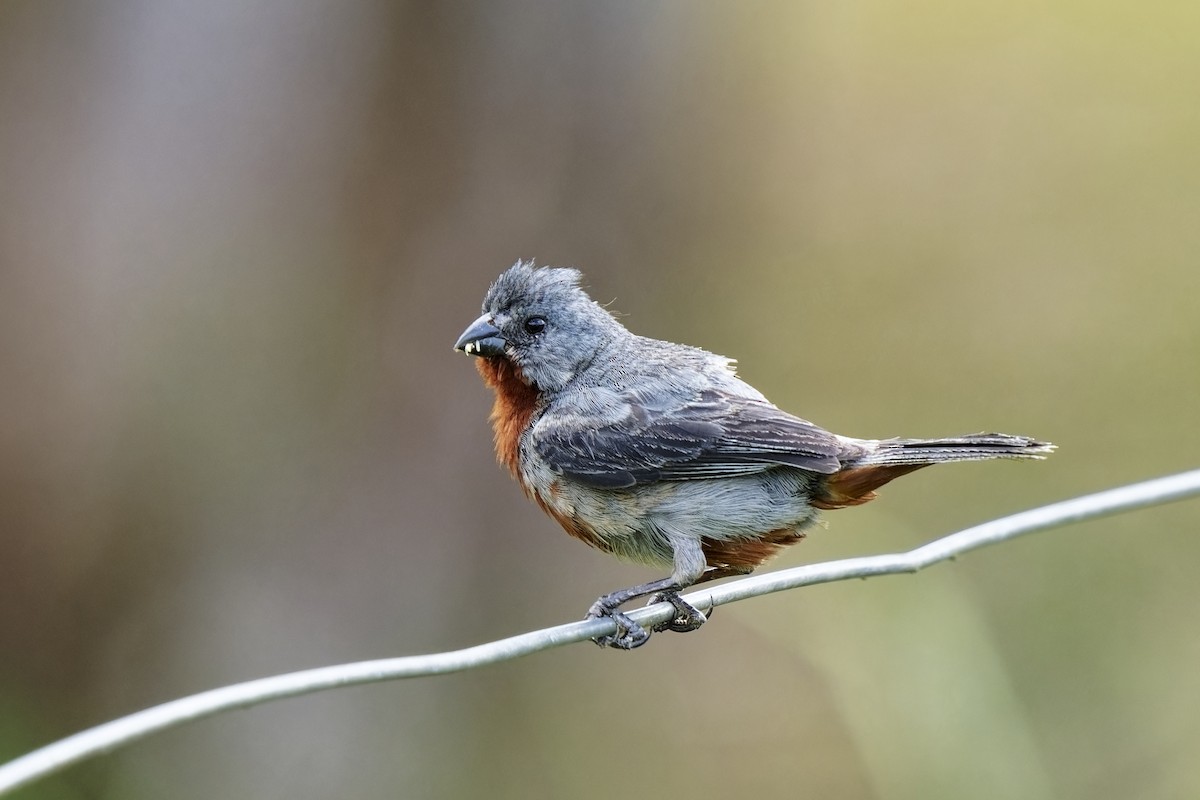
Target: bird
[{"x": 658, "y": 453}]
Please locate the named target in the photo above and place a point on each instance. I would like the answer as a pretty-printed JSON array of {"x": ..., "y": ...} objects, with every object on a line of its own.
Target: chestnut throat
[{"x": 516, "y": 402}]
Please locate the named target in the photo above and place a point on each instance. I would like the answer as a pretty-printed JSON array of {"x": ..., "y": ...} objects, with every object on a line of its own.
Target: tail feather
[
  {"x": 874, "y": 463},
  {"x": 973, "y": 447}
]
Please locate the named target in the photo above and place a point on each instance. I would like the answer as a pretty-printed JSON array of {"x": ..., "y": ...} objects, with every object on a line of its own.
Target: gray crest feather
[{"x": 525, "y": 283}]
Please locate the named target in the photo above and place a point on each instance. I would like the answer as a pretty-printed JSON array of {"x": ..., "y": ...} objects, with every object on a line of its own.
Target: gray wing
[{"x": 713, "y": 435}]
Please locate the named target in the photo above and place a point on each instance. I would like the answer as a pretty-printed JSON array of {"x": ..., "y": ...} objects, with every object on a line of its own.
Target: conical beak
[{"x": 482, "y": 338}]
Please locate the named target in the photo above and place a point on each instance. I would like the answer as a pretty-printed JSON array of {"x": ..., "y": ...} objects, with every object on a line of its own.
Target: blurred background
[{"x": 238, "y": 239}]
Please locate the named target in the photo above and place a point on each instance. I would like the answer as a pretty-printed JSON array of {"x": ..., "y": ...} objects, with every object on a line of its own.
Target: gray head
[{"x": 542, "y": 322}]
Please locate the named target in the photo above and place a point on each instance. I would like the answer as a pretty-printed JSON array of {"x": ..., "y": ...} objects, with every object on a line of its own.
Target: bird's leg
[
  {"x": 690, "y": 568},
  {"x": 687, "y": 617},
  {"x": 629, "y": 634}
]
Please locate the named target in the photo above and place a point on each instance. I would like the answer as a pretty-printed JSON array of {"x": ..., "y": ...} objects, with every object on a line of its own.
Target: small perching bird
[{"x": 658, "y": 453}]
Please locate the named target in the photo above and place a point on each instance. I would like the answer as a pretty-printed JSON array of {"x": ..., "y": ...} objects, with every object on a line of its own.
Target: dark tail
[
  {"x": 881, "y": 461},
  {"x": 973, "y": 447}
]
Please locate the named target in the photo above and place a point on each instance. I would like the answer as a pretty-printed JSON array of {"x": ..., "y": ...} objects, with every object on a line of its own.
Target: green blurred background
[{"x": 237, "y": 240}]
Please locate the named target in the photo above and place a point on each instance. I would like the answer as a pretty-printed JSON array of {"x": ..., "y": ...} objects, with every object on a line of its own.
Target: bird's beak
[{"x": 482, "y": 338}]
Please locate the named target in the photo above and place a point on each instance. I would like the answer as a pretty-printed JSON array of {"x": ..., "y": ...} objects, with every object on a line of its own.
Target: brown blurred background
[{"x": 237, "y": 240}]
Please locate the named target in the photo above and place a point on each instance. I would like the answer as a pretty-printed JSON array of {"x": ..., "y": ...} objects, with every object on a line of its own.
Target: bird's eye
[{"x": 535, "y": 324}]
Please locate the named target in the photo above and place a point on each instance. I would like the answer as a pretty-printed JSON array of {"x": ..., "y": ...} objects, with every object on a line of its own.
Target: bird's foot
[
  {"x": 687, "y": 617},
  {"x": 629, "y": 634}
]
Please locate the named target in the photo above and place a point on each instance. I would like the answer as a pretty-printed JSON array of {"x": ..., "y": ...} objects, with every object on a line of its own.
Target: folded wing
[{"x": 712, "y": 435}]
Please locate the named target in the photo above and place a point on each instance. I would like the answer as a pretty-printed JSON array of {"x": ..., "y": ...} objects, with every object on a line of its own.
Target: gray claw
[
  {"x": 629, "y": 634},
  {"x": 687, "y": 618}
]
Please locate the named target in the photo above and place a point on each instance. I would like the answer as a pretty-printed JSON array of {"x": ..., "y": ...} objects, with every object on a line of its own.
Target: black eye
[{"x": 535, "y": 324}]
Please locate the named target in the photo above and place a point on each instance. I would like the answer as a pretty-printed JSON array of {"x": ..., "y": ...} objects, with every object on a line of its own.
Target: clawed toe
[
  {"x": 629, "y": 634},
  {"x": 687, "y": 618}
]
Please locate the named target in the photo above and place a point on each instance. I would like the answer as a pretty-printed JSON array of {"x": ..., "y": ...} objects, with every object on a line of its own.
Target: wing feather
[{"x": 712, "y": 435}]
